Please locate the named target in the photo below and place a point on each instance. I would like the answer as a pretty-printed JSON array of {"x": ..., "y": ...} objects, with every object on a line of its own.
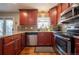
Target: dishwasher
[{"x": 31, "y": 39}]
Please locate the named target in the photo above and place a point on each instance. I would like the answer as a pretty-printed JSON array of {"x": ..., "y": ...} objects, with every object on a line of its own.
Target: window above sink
[{"x": 43, "y": 24}]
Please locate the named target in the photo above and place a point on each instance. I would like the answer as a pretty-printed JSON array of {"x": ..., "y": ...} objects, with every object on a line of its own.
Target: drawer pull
[{"x": 77, "y": 43}]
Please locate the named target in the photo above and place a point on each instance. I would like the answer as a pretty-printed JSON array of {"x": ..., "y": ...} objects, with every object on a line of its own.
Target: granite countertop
[
  {"x": 22, "y": 32},
  {"x": 17, "y": 33},
  {"x": 77, "y": 37}
]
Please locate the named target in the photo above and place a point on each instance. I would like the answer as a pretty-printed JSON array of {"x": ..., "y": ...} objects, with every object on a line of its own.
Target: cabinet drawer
[
  {"x": 9, "y": 48},
  {"x": 17, "y": 36},
  {"x": 77, "y": 41},
  {"x": 8, "y": 39}
]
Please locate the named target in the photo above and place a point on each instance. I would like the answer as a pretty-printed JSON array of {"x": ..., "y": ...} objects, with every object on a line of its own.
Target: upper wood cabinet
[
  {"x": 53, "y": 16},
  {"x": 58, "y": 11},
  {"x": 23, "y": 17},
  {"x": 32, "y": 17},
  {"x": 65, "y": 6},
  {"x": 54, "y": 13},
  {"x": 28, "y": 16}
]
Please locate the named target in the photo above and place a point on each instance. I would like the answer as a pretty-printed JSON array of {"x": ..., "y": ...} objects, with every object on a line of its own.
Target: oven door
[{"x": 63, "y": 45}]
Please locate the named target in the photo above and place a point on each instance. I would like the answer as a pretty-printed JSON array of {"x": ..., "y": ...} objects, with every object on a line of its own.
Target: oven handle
[{"x": 64, "y": 38}]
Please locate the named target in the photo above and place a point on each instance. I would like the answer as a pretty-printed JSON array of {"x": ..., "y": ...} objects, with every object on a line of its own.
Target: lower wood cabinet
[
  {"x": 77, "y": 46},
  {"x": 1, "y": 46},
  {"x": 23, "y": 40},
  {"x": 53, "y": 40},
  {"x": 44, "y": 38},
  {"x": 17, "y": 45},
  {"x": 13, "y": 44},
  {"x": 9, "y": 48}
]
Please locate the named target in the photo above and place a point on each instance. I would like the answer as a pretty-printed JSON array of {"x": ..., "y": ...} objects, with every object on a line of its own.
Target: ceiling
[{"x": 13, "y": 7}]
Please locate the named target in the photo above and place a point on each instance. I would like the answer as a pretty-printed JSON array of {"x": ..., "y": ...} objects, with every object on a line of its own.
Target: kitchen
[{"x": 39, "y": 29}]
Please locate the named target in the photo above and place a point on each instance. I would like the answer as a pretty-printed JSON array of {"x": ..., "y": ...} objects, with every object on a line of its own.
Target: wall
[{"x": 15, "y": 16}]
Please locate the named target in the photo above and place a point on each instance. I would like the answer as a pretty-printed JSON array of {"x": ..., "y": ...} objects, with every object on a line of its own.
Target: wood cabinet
[
  {"x": 12, "y": 44},
  {"x": 9, "y": 45},
  {"x": 28, "y": 16},
  {"x": 1, "y": 46},
  {"x": 59, "y": 10},
  {"x": 9, "y": 48},
  {"x": 17, "y": 39},
  {"x": 65, "y": 6},
  {"x": 77, "y": 46},
  {"x": 54, "y": 13},
  {"x": 8, "y": 39},
  {"x": 23, "y": 17},
  {"x": 53, "y": 40},
  {"x": 53, "y": 16},
  {"x": 32, "y": 17},
  {"x": 23, "y": 40},
  {"x": 44, "y": 38}
]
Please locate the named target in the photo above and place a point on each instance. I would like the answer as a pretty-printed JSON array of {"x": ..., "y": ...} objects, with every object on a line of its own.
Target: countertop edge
[{"x": 22, "y": 32}]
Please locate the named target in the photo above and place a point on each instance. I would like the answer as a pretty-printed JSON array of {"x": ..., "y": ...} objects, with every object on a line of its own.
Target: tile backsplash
[{"x": 27, "y": 28}]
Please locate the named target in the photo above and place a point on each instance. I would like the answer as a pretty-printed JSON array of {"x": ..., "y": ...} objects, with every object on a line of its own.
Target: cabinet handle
[
  {"x": 77, "y": 43},
  {"x": 12, "y": 38}
]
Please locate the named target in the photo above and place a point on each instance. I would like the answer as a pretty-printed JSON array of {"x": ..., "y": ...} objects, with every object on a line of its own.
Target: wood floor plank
[{"x": 30, "y": 51}]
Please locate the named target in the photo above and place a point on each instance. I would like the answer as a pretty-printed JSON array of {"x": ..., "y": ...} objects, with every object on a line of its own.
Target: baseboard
[
  {"x": 38, "y": 45},
  {"x": 19, "y": 51}
]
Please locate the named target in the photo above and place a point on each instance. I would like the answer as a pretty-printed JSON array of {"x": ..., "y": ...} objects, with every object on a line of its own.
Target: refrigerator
[{"x": 6, "y": 26}]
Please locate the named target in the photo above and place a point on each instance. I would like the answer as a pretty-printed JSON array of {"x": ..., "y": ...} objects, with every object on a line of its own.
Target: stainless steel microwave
[{"x": 70, "y": 12}]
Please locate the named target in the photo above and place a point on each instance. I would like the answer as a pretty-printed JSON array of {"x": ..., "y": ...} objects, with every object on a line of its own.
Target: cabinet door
[
  {"x": 17, "y": 39},
  {"x": 58, "y": 12},
  {"x": 65, "y": 6},
  {"x": 44, "y": 38},
  {"x": 8, "y": 39},
  {"x": 1, "y": 46},
  {"x": 53, "y": 40},
  {"x": 53, "y": 16},
  {"x": 23, "y": 40},
  {"x": 77, "y": 46},
  {"x": 17, "y": 46},
  {"x": 32, "y": 17},
  {"x": 23, "y": 17},
  {"x": 9, "y": 48},
  {"x": 28, "y": 17}
]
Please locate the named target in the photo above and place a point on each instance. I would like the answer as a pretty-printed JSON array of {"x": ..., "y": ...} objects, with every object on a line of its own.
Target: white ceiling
[{"x": 13, "y": 7}]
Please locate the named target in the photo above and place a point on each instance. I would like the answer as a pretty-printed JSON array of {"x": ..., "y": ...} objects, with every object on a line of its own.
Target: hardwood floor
[{"x": 31, "y": 51}]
